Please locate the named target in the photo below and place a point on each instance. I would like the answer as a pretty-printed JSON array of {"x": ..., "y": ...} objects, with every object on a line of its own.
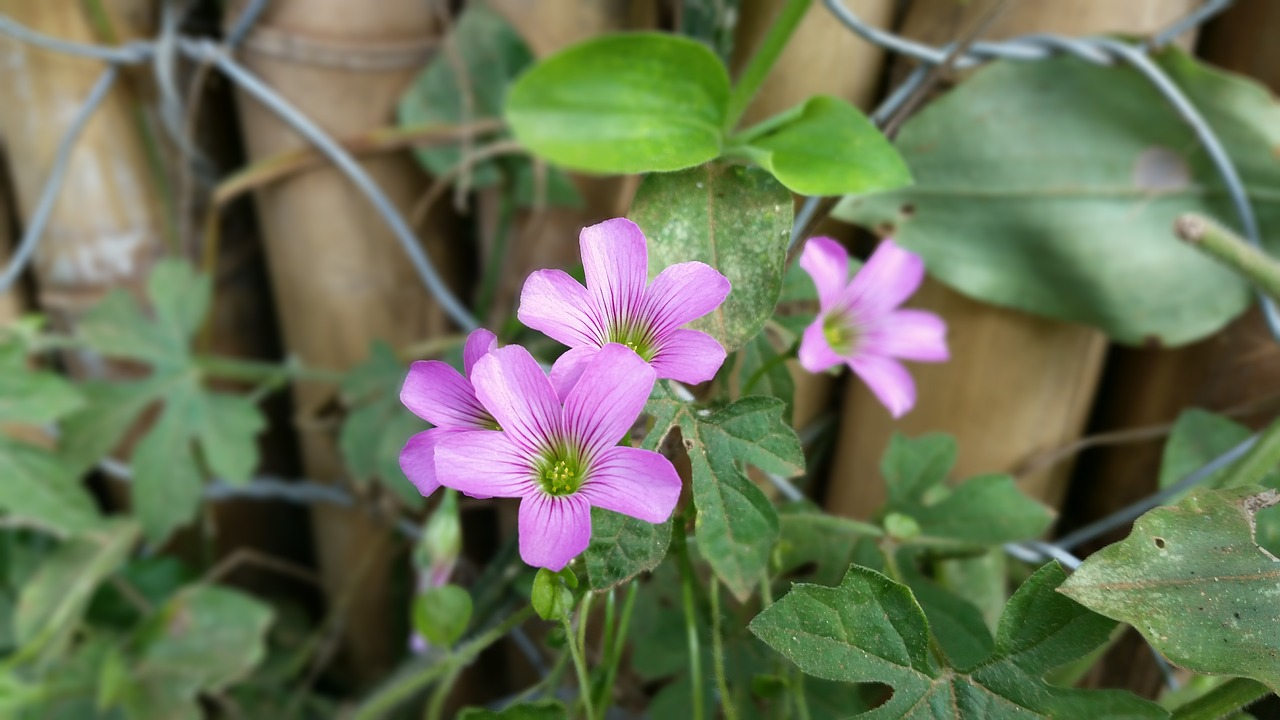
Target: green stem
[
  {"x": 1223, "y": 701},
  {"x": 256, "y": 371},
  {"x": 717, "y": 654},
  {"x": 584, "y": 684},
  {"x": 798, "y": 694},
  {"x": 1261, "y": 459},
  {"x": 762, "y": 62},
  {"x": 614, "y": 657},
  {"x": 687, "y": 581},
  {"x": 436, "y": 705},
  {"x": 776, "y": 360},
  {"x": 1231, "y": 250},
  {"x": 493, "y": 273},
  {"x": 402, "y": 689}
]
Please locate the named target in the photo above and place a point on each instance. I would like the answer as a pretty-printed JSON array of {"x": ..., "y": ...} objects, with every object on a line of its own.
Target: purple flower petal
[
  {"x": 910, "y": 335},
  {"x": 483, "y": 463},
  {"x": 635, "y": 482},
  {"x": 553, "y": 530},
  {"x": 683, "y": 292},
  {"x": 555, "y": 304},
  {"x": 815, "y": 353},
  {"x": 437, "y": 393},
  {"x": 568, "y": 368},
  {"x": 827, "y": 262},
  {"x": 688, "y": 356},
  {"x": 617, "y": 267},
  {"x": 888, "y": 380},
  {"x": 607, "y": 399},
  {"x": 890, "y": 276},
  {"x": 512, "y": 387},
  {"x": 418, "y": 460},
  {"x": 479, "y": 343}
]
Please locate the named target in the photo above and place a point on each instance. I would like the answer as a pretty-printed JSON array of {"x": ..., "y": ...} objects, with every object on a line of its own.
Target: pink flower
[
  {"x": 859, "y": 323},
  {"x": 437, "y": 393},
  {"x": 618, "y": 305},
  {"x": 560, "y": 459}
]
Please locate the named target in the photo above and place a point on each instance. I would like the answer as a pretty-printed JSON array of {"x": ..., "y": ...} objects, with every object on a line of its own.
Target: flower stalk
[
  {"x": 762, "y": 62},
  {"x": 1231, "y": 250}
]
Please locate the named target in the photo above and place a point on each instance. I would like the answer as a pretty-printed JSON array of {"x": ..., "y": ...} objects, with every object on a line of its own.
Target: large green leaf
[
  {"x": 737, "y": 526},
  {"x": 735, "y": 219},
  {"x": 826, "y": 147},
  {"x": 33, "y": 397},
  {"x": 870, "y": 629},
  {"x": 38, "y": 487},
  {"x": 628, "y": 103},
  {"x": 1052, "y": 187},
  {"x": 1192, "y": 580},
  {"x": 983, "y": 510},
  {"x": 203, "y": 639},
  {"x": 53, "y": 600},
  {"x": 623, "y": 547}
]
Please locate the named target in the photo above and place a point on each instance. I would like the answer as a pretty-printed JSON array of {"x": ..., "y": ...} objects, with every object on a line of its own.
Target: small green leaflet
[
  {"x": 623, "y": 547},
  {"x": 870, "y": 629}
]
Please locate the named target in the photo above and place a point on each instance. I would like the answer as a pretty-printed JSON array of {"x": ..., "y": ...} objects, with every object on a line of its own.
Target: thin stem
[
  {"x": 1223, "y": 700},
  {"x": 687, "y": 581},
  {"x": 1231, "y": 250},
  {"x": 584, "y": 613},
  {"x": 400, "y": 690},
  {"x": 763, "y": 60},
  {"x": 614, "y": 657},
  {"x": 717, "y": 654},
  {"x": 436, "y": 705},
  {"x": 584, "y": 683},
  {"x": 798, "y": 694},
  {"x": 256, "y": 371}
]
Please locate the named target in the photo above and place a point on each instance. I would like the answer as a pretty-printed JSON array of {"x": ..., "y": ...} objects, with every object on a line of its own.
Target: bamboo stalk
[
  {"x": 340, "y": 279},
  {"x": 1145, "y": 386},
  {"x": 1017, "y": 385},
  {"x": 10, "y": 300},
  {"x": 105, "y": 230}
]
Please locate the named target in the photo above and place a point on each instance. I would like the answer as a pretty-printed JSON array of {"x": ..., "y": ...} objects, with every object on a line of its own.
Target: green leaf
[
  {"x": 111, "y": 409},
  {"x": 1051, "y": 187},
  {"x": 870, "y": 629},
  {"x": 763, "y": 371},
  {"x": 735, "y": 219},
  {"x": 955, "y": 622},
  {"x": 181, "y": 298},
  {"x": 34, "y": 397},
  {"x": 1197, "y": 437},
  {"x": 117, "y": 327},
  {"x": 228, "y": 436},
  {"x": 628, "y": 103},
  {"x": 56, "y": 596},
  {"x": 378, "y": 425},
  {"x": 623, "y": 547},
  {"x": 202, "y": 640},
  {"x": 1192, "y": 580},
  {"x": 154, "y": 578},
  {"x": 984, "y": 510},
  {"x": 167, "y": 481},
  {"x": 38, "y": 487},
  {"x": 737, "y": 526},
  {"x": 539, "y": 710},
  {"x": 441, "y": 614},
  {"x": 811, "y": 539},
  {"x": 826, "y": 147}
]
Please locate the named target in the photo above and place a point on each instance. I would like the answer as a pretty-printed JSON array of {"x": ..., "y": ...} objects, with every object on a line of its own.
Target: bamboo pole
[
  {"x": 1237, "y": 370},
  {"x": 1017, "y": 385},
  {"x": 339, "y": 278},
  {"x": 822, "y": 58},
  {"x": 10, "y": 300},
  {"x": 105, "y": 230}
]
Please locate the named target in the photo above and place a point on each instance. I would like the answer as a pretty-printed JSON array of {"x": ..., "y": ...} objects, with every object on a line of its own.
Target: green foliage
[
  {"x": 441, "y": 614},
  {"x": 467, "y": 81},
  {"x": 540, "y": 710},
  {"x": 1192, "y": 580},
  {"x": 984, "y": 510},
  {"x": 762, "y": 370},
  {"x": 636, "y": 102},
  {"x": 55, "y": 598},
  {"x": 623, "y": 547},
  {"x": 1052, "y": 187},
  {"x": 737, "y": 526},
  {"x": 735, "y": 219},
  {"x": 378, "y": 425},
  {"x": 168, "y": 471},
  {"x": 871, "y": 629},
  {"x": 202, "y": 640},
  {"x": 825, "y": 147}
]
